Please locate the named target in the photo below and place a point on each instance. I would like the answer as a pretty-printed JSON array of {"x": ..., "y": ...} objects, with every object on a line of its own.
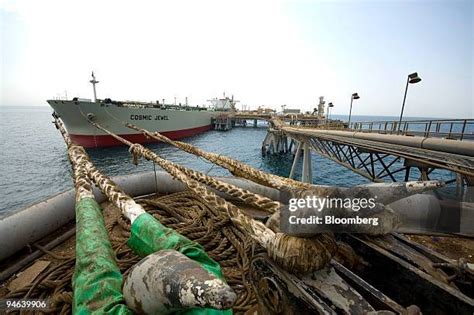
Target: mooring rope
[
  {"x": 186, "y": 213},
  {"x": 78, "y": 156},
  {"x": 231, "y": 249},
  {"x": 237, "y": 168},
  {"x": 241, "y": 194},
  {"x": 244, "y": 195},
  {"x": 189, "y": 213},
  {"x": 292, "y": 253}
]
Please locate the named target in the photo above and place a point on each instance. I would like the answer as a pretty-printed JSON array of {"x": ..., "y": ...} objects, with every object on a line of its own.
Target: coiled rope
[
  {"x": 295, "y": 254},
  {"x": 184, "y": 212}
]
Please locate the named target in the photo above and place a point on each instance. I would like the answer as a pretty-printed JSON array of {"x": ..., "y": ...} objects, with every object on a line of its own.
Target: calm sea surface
[{"x": 34, "y": 164}]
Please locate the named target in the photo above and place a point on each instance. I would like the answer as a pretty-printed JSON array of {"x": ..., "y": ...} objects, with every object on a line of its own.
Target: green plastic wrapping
[
  {"x": 97, "y": 281},
  {"x": 148, "y": 235}
]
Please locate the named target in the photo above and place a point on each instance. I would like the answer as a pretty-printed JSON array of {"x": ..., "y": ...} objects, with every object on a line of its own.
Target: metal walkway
[{"x": 373, "y": 155}]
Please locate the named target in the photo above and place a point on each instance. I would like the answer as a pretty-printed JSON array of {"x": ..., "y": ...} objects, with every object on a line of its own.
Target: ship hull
[
  {"x": 109, "y": 141},
  {"x": 173, "y": 123}
]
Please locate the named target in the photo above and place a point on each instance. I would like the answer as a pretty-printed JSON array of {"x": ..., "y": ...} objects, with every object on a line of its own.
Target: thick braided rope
[
  {"x": 78, "y": 158},
  {"x": 244, "y": 195},
  {"x": 257, "y": 229},
  {"x": 292, "y": 253},
  {"x": 120, "y": 199},
  {"x": 82, "y": 183},
  {"x": 245, "y": 171},
  {"x": 181, "y": 211},
  {"x": 241, "y": 194},
  {"x": 85, "y": 170},
  {"x": 235, "y": 167}
]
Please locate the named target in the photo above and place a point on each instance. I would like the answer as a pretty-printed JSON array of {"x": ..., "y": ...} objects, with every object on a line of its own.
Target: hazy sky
[{"x": 264, "y": 52}]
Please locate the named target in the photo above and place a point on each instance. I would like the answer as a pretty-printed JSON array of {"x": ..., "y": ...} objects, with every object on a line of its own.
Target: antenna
[{"x": 94, "y": 82}]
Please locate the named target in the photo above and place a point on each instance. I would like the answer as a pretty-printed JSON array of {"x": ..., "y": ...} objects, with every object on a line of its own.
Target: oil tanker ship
[{"x": 174, "y": 121}]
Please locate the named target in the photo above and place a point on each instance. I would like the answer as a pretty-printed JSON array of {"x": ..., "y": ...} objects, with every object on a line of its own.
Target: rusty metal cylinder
[{"x": 168, "y": 281}]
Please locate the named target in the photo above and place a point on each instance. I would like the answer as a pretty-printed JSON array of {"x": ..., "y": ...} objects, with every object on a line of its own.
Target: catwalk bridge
[{"x": 378, "y": 150}]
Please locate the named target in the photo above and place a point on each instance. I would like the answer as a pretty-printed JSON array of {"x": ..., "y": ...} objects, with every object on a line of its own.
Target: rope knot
[
  {"x": 302, "y": 255},
  {"x": 135, "y": 151}
]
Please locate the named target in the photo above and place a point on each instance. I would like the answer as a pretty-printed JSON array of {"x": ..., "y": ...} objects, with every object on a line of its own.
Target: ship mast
[{"x": 94, "y": 82}]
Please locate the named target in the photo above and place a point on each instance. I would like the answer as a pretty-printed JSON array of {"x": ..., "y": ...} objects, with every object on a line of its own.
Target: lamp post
[
  {"x": 354, "y": 96},
  {"x": 330, "y": 104},
  {"x": 411, "y": 79}
]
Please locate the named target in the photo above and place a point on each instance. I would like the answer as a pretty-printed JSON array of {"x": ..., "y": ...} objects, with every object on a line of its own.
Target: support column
[
  {"x": 290, "y": 147},
  {"x": 307, "y": 176},
  {"x": 295, "y": 160}
]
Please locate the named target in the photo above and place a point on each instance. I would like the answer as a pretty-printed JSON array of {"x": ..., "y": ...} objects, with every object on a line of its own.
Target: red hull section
[{"x": 109, "y": 141}]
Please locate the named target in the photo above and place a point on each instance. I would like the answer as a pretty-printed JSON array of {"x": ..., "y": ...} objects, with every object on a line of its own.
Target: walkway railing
[{"x": 459, "y": 129}]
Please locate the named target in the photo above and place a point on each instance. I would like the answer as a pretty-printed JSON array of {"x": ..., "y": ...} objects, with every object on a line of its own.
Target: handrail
[
  {"x": 417, "y": 120},
  {"x": 457, "y": 129}
]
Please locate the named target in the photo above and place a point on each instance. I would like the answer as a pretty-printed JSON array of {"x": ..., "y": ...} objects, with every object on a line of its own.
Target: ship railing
[{"x": 136, "y": 104}]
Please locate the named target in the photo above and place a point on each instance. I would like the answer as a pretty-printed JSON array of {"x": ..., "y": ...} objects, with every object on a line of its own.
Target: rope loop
[{"x": 135, "y": 150}]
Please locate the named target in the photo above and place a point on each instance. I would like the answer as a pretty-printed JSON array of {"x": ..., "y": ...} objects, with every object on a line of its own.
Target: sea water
[{"x": 34, "y": 163}]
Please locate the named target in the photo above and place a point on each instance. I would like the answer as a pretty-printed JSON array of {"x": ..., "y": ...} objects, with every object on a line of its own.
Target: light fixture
[
  {"x": 411, "y": 79},
  {"x": 330, "y": 104},
  {"x": 354, "y": 96}
]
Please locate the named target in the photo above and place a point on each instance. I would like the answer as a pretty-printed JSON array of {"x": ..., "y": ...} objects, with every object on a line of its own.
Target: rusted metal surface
[
  {"x": 322, "y": 292},
  {"x": 404, "y": 282},
  {"x": 372, "y": 295},
  {"x": 392, "y": 245},
  {"x": 458, "y": 271},
  {"x": 277, "y": 295}
]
